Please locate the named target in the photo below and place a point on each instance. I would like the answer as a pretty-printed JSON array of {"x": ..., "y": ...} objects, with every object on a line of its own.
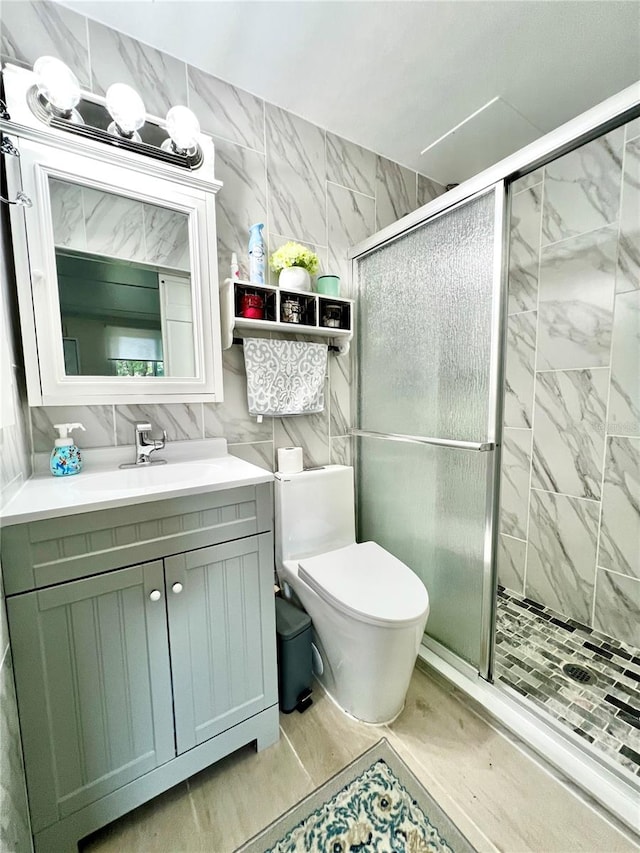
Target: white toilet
[{"x": 368, "y": 609}]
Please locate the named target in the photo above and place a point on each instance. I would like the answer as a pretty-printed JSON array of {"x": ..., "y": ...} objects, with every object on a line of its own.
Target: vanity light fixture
[
  {"x": 58, "y": 88},
  {"x": 119, "y": 119},
  {"x": 126, "y": 108},
  {"x": 183, "y": 128}
]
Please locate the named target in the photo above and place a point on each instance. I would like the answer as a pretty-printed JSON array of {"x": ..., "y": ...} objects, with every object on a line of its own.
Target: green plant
[{"x": 294, "y": 255}]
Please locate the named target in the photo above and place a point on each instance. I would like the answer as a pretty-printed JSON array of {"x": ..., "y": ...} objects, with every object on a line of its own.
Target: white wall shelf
[{"x": 314, "y": 311}]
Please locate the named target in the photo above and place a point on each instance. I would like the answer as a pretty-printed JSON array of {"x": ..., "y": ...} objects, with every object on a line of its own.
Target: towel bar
[{"x": 332, "y": 348}]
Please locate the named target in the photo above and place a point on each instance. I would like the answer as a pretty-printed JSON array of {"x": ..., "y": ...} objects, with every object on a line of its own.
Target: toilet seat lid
[{"x": 367, "y": 582}]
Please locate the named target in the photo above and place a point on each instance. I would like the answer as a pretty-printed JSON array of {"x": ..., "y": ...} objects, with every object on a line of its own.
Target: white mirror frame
[{"x": 50, "y": 153}]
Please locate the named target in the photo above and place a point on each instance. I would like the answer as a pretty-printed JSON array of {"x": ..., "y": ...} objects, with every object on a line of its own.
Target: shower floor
[{"x": 533, "y": 644}]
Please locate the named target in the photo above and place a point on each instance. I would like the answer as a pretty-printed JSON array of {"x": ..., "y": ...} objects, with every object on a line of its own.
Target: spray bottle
[
  {"x": 65, "y": 456},
  {"x": 256, "y": 254}
]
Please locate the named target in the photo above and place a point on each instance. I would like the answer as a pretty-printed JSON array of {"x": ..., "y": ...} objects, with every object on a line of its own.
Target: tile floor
[
  {"x": 533, "y": 643},
  {"x": 499, "y": 797}
]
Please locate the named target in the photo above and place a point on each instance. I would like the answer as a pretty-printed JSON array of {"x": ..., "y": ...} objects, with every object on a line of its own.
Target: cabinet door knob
[
  {"x": 155, "y": 595},
  {"x": 177, "y": 587}
]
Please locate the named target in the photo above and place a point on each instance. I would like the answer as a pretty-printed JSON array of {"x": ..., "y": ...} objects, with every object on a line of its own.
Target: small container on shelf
[
  {"x": 254, "y": 303},
  {"x": 334, "y": 315},
  {"x": 291, "y": 310},
  {"x": 252, "y": 306},
  {"x": 298, "y": 308},
  {"x": 329, "y": 285}
]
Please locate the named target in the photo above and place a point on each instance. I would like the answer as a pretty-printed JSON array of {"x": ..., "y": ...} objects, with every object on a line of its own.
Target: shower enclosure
[
  {"x": 429, "y": 368},
  {"x": 497, "y": 441}
]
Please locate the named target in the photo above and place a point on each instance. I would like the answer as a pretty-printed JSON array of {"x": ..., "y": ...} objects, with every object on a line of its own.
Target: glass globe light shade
[
  {"x": 126, "y": 108},
  {"x": 56, "y": 84},
  {"x": 183, "y": 127}
]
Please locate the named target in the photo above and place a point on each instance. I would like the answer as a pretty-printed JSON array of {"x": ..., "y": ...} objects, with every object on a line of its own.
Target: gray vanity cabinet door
[
  {"x": 222, "y": 635},
  {"x": 93, "y": 680}
]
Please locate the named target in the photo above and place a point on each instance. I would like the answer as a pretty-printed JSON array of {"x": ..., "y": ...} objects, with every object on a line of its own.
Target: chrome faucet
[{"x": 145, "y": 446}]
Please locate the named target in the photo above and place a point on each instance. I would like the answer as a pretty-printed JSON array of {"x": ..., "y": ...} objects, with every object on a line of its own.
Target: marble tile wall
[
  {"x": 570, "y": 515},
  {"x": 88, "y": 220},
  {"x": 15, "y": 832},
  {"x": 304, "y": 182}
]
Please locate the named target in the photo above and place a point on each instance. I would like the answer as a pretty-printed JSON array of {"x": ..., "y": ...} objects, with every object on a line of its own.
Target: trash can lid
[{"x": 290, "y": 620}]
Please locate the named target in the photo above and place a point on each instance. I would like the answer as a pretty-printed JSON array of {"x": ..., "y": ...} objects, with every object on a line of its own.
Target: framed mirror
[{"x": 117, "y": 276}]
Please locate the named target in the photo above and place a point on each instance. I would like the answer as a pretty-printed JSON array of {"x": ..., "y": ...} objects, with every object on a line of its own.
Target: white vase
[{"x": 294, "y": 278}]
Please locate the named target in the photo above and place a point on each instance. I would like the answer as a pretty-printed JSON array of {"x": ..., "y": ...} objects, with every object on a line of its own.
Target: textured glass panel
[
  {"x": 426, "y": 505},
  {"x": 425, "y": 327}
]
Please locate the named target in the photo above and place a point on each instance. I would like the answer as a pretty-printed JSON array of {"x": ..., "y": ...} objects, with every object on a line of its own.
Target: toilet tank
[{"x": 314, "y": 512}]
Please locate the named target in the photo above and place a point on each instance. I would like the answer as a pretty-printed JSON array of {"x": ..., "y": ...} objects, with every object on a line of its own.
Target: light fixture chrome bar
[{"x": 481, "y": 446}]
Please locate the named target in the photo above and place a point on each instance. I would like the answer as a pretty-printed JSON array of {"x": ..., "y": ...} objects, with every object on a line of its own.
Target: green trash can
[{"x": 293, "y": 629}]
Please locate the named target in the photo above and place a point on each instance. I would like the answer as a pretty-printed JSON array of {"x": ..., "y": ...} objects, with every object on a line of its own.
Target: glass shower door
[{"x": 429, "y": 347}]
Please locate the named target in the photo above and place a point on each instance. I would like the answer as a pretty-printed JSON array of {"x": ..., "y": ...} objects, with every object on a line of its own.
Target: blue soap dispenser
[{"x": 65, "y": 456}]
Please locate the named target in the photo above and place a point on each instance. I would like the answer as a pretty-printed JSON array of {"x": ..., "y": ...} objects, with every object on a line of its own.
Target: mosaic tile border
[{"x": 533, "y": 643}]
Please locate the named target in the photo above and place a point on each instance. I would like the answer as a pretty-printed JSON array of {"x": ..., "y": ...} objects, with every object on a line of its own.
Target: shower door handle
[{"x": 480, "y": 446}]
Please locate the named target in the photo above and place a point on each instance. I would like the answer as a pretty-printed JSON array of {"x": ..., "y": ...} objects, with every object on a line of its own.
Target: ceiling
[{"x": 395, "y": 76}]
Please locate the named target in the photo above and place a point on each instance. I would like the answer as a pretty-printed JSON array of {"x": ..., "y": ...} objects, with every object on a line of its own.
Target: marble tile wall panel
[
  {"x": 620, "y": 525},
  {"x": 520, "y": 369},
  {"x": 311, "y": 432},
  {"x": 632, "y": 129},
  {"x": 351, "y": 219},
  {"x": 32, "y": 29},
  {"x": 340, "y": 376},
  {"x": 524, "y": 249},
  {"x": 396, "y": 192},
  {"x": 628, "y": 274},
  {"x": 225, "y": 111},
  {"x": 67, "y": 215},
  {"x": 166, "y": 237},
  {"x": 260, "y": 454},
  {"x": 527, "y": 181},
  {"x": 240, "y": 203},
  {"x": 624, "y": 396},
  {"x": 160, "y": 79},
  {"x": 114, "y": 225},
  {"x": 588, "y": 319},
  {"x": 511, "y": 562},
  {"x": 617, "y": 607},
  {"x": 561, "y": 557},
  {"x": 98, "y": 422},
  {"x": 350, "y": 165},
  {"x": 231, "y": 419},
  {"x": 582, "y": 188},
  {"x": 341, "y": 450},
  {"x": 182, "y": 421},
  {"x": 576, "y": 291},
  {"x": 569, "y": 431},
  {"x": 428, "y": 189},
  {"x": 15, "y": 832},
  {"x": 15, "y": 467},
  {"x": 296, "y": 169},
  {"x": 514, "y": 488}
]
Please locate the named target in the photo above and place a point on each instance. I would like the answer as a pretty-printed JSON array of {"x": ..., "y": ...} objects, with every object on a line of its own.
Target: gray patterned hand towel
[{"x": 284, "y": 377}]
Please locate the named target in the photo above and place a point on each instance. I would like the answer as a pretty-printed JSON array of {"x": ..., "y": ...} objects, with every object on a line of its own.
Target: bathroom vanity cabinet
[{"x": 143, "y": 640}]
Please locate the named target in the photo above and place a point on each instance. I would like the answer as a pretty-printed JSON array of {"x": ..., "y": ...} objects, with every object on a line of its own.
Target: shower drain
[{"x": 578, "y": 673}]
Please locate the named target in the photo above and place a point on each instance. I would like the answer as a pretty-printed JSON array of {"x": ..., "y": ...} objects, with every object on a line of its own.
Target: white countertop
[{"x": 192, "y": 468}]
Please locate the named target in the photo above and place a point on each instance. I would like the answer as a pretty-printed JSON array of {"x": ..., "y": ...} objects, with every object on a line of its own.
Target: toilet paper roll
[{"x": 289, "y": 460}]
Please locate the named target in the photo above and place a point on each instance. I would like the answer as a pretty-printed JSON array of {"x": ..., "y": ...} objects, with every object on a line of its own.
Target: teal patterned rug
[{"x": 374, "y": 805}]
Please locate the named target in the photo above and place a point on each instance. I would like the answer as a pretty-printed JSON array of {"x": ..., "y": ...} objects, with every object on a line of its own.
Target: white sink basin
[
  {"x": 44, "y": 496},
  {"x": 175, "y": 475}
]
